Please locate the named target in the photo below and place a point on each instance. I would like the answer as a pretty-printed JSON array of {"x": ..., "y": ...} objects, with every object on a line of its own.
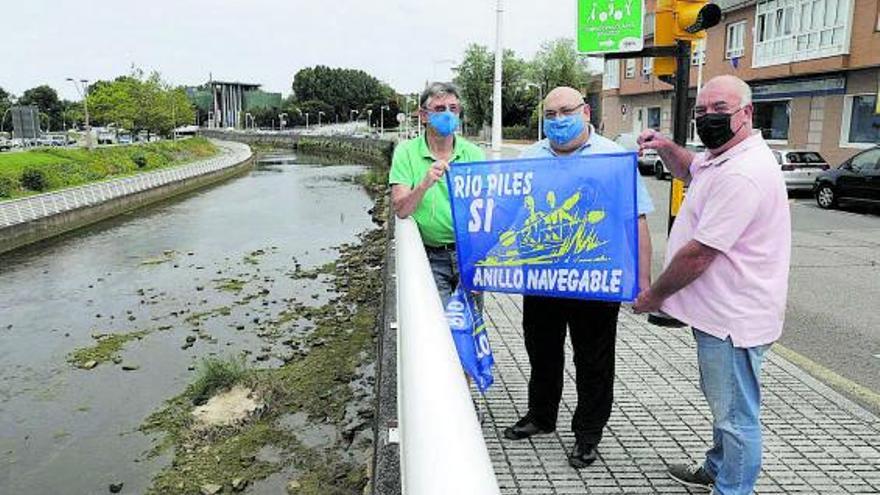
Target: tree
[
  {"x": 342, "y": 89},
  {"x": 5, "y": 103},
  {"x": 557, "y": 63},
  {"x": 137, "y": 103},
  {"x": 313, "y": 107},
  {"x": 474, "y": 80}
]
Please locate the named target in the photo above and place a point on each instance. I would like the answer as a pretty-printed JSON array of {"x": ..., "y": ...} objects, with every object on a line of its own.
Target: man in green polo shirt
[{"x": 418, "y": 188}]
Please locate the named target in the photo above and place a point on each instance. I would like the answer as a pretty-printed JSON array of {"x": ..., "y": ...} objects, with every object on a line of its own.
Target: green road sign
[{"x": 608, "y": 26}]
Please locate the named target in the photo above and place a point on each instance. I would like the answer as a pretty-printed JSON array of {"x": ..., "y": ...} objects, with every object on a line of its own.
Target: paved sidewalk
[{"x": 815, "y": 440}]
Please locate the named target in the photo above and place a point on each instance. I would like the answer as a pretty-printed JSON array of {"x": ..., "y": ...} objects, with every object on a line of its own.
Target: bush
[
  {"x": 214, "y": 375},
  {"x": 7, "y": 185},
  {"x": 519, "y": 132},
  {"x": 34, "y": 180},
  {"x": 139, "y": 159}
]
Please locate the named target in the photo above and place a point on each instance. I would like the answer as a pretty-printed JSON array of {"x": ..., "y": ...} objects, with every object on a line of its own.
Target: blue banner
[
  {"x": 470, "y": 337},
  {"x": 558, "y": 227}
]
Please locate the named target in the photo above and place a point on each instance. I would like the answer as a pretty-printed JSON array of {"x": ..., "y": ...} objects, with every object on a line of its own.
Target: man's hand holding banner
[{"x": 558, "y": 227}]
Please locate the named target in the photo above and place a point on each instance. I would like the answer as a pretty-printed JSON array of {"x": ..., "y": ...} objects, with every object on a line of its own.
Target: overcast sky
[{"x": 402, "y": 42}]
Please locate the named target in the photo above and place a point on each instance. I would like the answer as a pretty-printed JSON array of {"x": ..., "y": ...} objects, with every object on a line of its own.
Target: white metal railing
[
  {"x": 31, "y": 208},
  {"x": 442, "y": 450}
]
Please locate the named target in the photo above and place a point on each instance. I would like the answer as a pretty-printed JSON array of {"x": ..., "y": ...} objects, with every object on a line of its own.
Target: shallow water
[{"x": 67, "y": 430}]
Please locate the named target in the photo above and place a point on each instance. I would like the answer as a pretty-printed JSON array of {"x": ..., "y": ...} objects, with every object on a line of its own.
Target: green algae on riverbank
[
  {"x": 107, "y": 349},
  {"x": 319, "y": 383}
]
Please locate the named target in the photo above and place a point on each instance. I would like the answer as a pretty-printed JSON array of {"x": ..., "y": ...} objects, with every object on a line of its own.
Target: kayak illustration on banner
[{"x": 561, "y": 227}]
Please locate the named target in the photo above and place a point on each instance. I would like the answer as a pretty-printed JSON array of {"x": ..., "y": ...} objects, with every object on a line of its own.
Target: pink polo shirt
[{"x": 736, "y": 203}]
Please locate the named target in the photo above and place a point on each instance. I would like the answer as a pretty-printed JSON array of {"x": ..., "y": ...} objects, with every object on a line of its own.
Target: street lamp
[
  {"x": 84, "y": 93},
  {"x": 307, "y": 120},
  {"x": 382, "y": 118},
  {"x": 319, "y": 118},
  {"x": 540, "y": 102},
  {"x": 282, "y": 120},
  {"x": 496, "y": 91},
  {"x": 369, "y": 118},
  {"x": 406, "y": 120}
]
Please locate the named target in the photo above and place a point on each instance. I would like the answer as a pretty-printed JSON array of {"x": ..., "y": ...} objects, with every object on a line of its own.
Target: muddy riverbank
[{"x": 104, "y": 333}]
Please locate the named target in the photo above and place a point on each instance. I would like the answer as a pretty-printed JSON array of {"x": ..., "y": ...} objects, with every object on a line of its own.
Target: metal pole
[
  {"x": 540, "y": 112},
  {"x": 496, "y": 94},
  {"x": 680, "y": 120},
  {"x": 701, "y": 49}
]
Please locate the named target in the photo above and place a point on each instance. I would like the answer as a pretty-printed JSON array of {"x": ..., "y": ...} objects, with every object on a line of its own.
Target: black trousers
[{"x": 593, "y": 328}]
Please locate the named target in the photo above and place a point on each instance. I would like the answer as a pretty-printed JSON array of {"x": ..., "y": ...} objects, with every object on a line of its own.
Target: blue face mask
[
  {"x": 445, "y": 123},
  {"x": 562, "y": 130}
]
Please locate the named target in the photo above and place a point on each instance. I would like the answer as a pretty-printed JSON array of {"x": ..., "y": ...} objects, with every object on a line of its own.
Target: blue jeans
[
  {"x": 730, "y": 378},
  {"x": 444, "y": 268}
]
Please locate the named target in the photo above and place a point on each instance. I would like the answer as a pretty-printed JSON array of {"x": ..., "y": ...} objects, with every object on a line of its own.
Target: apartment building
[{"x": 813, "y": 65}]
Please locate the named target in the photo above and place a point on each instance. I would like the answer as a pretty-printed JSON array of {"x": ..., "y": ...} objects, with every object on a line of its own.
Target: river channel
[{"x": 212, "y": 264}]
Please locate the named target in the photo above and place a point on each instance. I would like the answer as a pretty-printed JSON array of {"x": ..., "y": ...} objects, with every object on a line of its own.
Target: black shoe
[
  {"x": 582, "y": 455},
  {"x": 691, "y": 475},
  {"x": 524, "y": 428}
]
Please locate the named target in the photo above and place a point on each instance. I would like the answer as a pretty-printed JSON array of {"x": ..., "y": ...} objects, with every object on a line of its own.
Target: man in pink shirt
[{"x": 726, "y": 274}]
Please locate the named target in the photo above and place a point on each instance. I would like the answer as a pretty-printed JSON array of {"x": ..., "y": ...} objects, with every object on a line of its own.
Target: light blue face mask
[
  {"x": 445, "y": 123},
  {"x": 562, "y": 130}
]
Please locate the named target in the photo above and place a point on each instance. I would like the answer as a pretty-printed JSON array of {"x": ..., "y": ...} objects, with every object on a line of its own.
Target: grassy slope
[{"x": 66, "y": 167}]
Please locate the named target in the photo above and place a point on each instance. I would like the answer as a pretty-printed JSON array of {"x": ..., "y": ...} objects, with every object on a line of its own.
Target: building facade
[
  {"x": 227, "y": 104},
  {"x": 813, "y": 65}
]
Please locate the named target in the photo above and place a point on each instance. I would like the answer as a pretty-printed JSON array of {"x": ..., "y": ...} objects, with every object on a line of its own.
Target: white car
[
  {"x": 800, "y": 167},
  {"x": 658, "y": 167}
]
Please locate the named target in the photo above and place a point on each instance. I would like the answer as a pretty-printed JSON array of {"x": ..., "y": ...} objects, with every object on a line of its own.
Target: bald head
[
  {"x": 565, "y": 107},
  {"x": 724, "y": 97},
  {"x": 563, "y": 96},
  {"x": 734, "y": 88}
]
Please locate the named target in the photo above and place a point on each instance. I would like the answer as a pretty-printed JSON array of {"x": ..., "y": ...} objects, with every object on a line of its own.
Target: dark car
[{"x": 856, "y": 179}]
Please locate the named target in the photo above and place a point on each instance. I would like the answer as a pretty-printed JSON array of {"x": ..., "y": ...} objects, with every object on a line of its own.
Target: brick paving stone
[{"x": 815, "y": 440}]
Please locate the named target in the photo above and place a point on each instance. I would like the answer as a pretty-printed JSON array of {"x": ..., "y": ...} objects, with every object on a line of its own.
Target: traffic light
[
  {"x": 693, "y": 18},
  {"x": 681, "y": 20},
  {"x": 664, "y": 35}
]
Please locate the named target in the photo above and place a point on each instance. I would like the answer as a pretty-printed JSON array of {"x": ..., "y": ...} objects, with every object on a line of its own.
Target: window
[
  {"x": 630, "y": 68},
  {"x": 647, "y": 66},
  {"x": 808, "y": 157},
  {"x": 698, "y": 56},
  {"x": 735, "y": 40},
  {"x": 772, "y": 118},
  {"x": 611, "y": 77},
  {"x": 792, "y": 30},
  {"x": 861, "y": 126},
  {"x": 654, "y": 118},
  {"x": 865, "y": 161}
]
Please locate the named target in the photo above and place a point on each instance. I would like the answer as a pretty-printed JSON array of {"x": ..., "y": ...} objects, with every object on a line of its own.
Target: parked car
[
  {"x": 629, "y": 142},
  {"x": 658, "y": 168},
  {"x": 5, "y": 144},
  {"x": 800, "y": 167},
  {"x": 855, "y": 179}
]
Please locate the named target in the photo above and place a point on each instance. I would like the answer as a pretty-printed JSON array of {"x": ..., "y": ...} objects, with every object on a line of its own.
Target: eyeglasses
[
  {"x": 442, "y": 108},
  {"x": 719, "y": 108},
  {"x": 552, "y": 114}
]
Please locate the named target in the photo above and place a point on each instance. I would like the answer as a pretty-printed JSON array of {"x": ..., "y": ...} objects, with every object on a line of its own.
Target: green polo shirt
[{"x": 410, "y": 163}]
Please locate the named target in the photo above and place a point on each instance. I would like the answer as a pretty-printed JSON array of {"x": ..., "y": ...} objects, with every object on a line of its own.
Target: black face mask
[{"x": 714, "y": 129}]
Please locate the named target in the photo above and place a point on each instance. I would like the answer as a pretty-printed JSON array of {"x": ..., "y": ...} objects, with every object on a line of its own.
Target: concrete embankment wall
[
  {"x": 375, "y": 152},
  {"x": 22, "y": 234}
]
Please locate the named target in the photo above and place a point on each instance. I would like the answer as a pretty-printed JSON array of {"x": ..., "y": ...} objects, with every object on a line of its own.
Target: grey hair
[
  {"x": 437, "y": 89},
  {"x": 744, "y": 92}
]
